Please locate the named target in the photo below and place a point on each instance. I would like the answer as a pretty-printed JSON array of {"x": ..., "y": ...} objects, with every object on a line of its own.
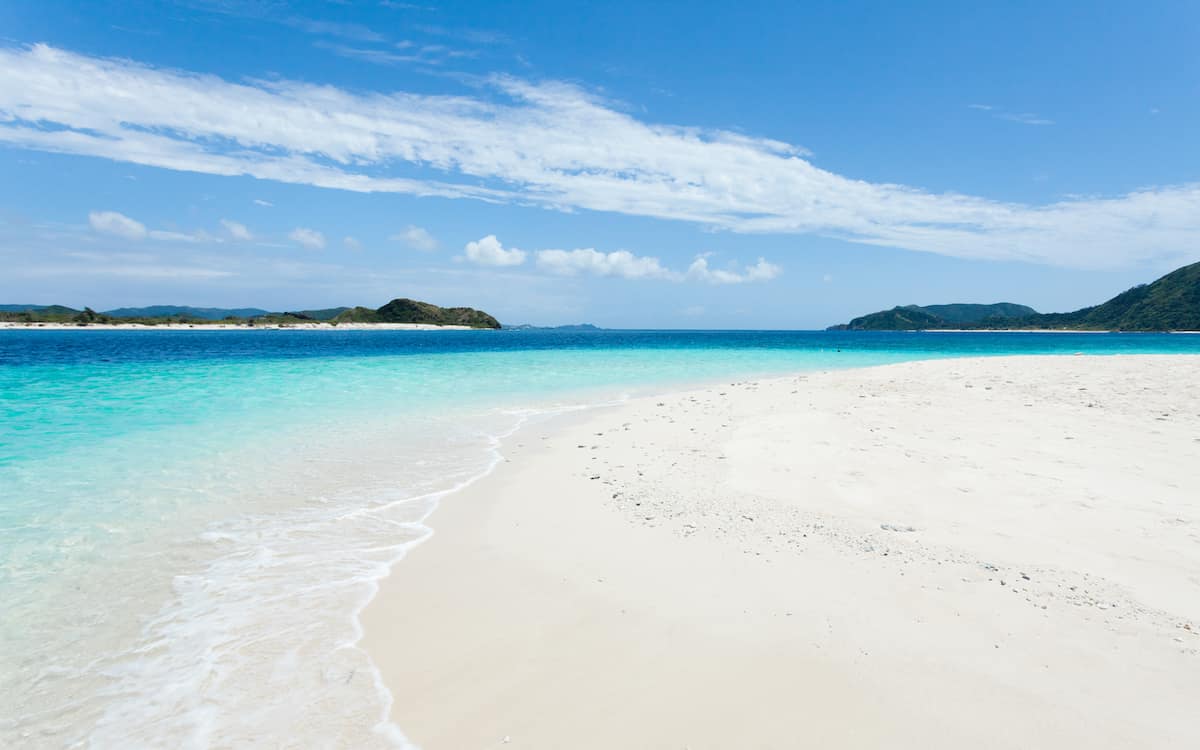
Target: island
[
  {"x": 399, "y": 313},
  {"x": 573, "y": 327},
  {"x": 1171, "y": 303}
]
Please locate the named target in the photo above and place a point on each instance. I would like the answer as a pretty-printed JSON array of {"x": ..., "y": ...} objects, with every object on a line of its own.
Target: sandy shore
[
  {"x": 215, "y": 326},
  {"x": 962, "y": 553}
]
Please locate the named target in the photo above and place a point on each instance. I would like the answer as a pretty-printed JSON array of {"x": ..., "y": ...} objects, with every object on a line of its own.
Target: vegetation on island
[
  {"x": 413, "y": 311},
  {"x": 1172, "y": 303},
  {"x": 397, "y": 311},
  {"x": 916, "y": 317},
  {"x": 179, "y": 311}
]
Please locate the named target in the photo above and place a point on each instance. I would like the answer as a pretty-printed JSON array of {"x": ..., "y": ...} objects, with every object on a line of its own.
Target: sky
[{"x": 652, "y": 165}]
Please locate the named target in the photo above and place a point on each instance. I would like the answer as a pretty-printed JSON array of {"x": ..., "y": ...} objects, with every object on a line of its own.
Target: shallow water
[{"x": 191, "y": 520}]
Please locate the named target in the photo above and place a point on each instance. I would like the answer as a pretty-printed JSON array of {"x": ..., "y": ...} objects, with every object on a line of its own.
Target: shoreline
[
  {"x": 810, "y": 560},
  {"x": 1034, "y": 330},
  {"x": 998, "y": 330}
]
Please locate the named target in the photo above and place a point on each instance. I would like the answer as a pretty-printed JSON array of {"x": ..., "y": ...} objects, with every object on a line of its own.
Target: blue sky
[{"x": 659, "y": 165}]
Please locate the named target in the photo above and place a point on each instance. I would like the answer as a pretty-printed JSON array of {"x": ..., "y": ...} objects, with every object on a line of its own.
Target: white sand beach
[{"x": 993, "y": 552}]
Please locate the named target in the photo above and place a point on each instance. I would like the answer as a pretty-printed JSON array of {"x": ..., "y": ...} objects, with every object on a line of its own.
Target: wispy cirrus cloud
[
  {"x": 352, "y": 31},
  {"x": 474, "y": 36},
  {"x": 134, "y": 266},
  {"x": 1025, "y": 118},
  {"x": 550, "y": 144},
  {"x": 398, "y": 54}
]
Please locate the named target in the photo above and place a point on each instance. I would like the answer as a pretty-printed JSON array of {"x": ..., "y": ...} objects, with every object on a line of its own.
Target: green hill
[
  {"x": 1172, "y": 303},
  {"x": 412, "y": 311},
  {"x": 33, "y": 308},
  {"x": 917, "y": 318},
  {"x": 39, "y": 313},
  {"x": 968, "y": 313},
  {"x": 328, "y": 313},
  {"x": 396, "y": 311},
  {"x": 39, "y": 309},
  {"x": 183, "y": 311}
]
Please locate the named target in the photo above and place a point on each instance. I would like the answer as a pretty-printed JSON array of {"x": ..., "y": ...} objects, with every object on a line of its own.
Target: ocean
[{"x": 191, "y": 521}]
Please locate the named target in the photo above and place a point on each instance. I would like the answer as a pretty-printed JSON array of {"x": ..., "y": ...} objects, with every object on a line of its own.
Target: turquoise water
[{"x": 190, "y": 521}]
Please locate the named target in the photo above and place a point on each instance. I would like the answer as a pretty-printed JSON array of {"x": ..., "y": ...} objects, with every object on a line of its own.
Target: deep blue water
[{"x": 79, "y": 347}]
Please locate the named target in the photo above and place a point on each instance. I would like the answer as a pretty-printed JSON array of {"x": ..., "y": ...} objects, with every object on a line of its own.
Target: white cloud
[
  {"x": 431, "y": 54},
  {"x": 117, "y": 224},
  {"x": 353, "y": 31},
  {"x": 171, "y": 236},
  {"x": 620, "y": 263},
  {"x": 760, "y": 271},
  {"x": 120, "y": 225},
  {"x": 549, "y": 144},
  {"x": 237, "y": 230},
  {"x": 351, "y": 244},
  {"x": 309, "y": 238},
  {"x": 1025, "y": 118},
  {"x": 261, "y": 202},
  {"x": 417, "y": 238},
  {"x": 489, "y": 252}
]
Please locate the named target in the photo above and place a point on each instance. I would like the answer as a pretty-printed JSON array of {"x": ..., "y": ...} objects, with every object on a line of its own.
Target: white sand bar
[{"x": 997, "y": 553}]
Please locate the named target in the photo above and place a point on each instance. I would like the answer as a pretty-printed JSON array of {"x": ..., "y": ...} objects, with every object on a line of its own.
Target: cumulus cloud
[
  {"x": 417, "y": 238},
  {"x": 236, "y": 230},
  {"x": 760, "y": 271},
  {"x": 117, "y": 224},
  {"x": 489, "y": 252},
  {"x": 550, "y": 144},
  {"x": 620, "y": 263},
  {"x": 309, "y": 238}
]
